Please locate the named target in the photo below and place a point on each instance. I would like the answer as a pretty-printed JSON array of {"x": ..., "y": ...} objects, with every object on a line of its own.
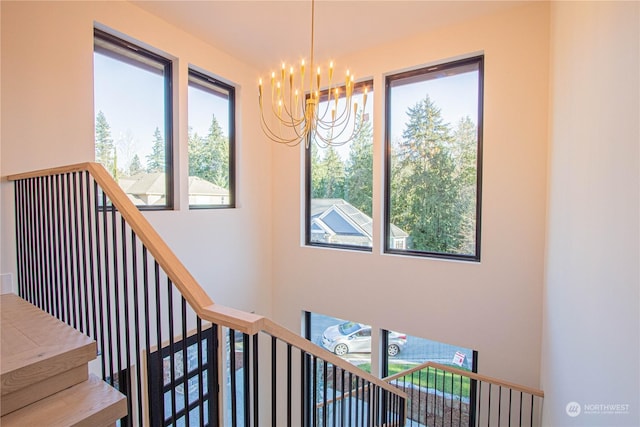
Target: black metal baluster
[
  {"x": 344, "y": 399},
  {"x": 531, "y": 412},
  {"x": 335, "y": 393},
  {"x": 17, "y": 209},
  {"x": 82, "y": 255},
  {"x": 510, "y": 405},
  {"x": 100, "y": 268},
  {"x": 92, "y": 273},
  {"x": 116, "y": 293},
  {"x": 40, "y": 246},
  {"x": 256, "y": 404},
  {"x": 201, "y": 368},
  {"x": 489, "y": 407},
  {"x": 274, "y": 376},
  {"x": 32, "y": 244},
  {"x": 65, "y": 250},
  {"x": 351, "y": 402},
  {"x": 57, "y": 249},
  {"x": 172, "y": 351},
  {"x": 49, "y": 232},
  {"x": 213, "y": 361},
  {"x": 76, "y": 241},
  {"x": 314, "y": 390},
  {"x": 70, "y": 266},
  {"x": 127, "y": 341},
  {"x": 185, "y": 359},
  {"x": 324, "y": 393},
  {"x": 107, "y": 281},
  {"x": 232, "y": 373},
  {"x": 159, "y": 358},
  {"x": 136, "y": 320},
  {"x": 245, "y": 375},
  {"x": 289, "y": 369}
]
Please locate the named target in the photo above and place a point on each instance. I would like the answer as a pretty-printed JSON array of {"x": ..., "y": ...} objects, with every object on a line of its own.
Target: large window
[
  {"x": 211, "y": 142},
  {"x": 132, "y": 95},
  {"x": 433, "y": 160},
  {"x": 339, "y": 182}
]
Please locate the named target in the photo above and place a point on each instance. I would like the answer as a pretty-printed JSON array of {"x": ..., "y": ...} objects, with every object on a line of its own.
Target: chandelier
[{"x": 303, "y": 111}]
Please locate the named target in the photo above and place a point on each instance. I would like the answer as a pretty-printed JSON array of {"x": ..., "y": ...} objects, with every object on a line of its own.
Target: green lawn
[{"x": 446, "y": 382}]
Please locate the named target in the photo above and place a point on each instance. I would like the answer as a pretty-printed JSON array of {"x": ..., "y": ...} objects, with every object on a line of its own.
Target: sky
[{"x": 132, "y": 100}]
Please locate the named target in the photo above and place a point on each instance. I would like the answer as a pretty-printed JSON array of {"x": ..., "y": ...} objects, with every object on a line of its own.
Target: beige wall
[
  {"x": 591, "y": 345},
  {"x": 47, "y": 120},
  {"x": 493, "y": 306}
]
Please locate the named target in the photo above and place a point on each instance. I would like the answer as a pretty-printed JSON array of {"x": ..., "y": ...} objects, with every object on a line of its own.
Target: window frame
[
  {"x": 136, "y": 55},
  {"x": 357, "y": 88},
  {"x": 231, "y": 90},
  {"x": 432, "y": 69}
]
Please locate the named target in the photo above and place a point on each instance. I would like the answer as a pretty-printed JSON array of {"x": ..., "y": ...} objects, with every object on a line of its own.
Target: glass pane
[
  {"x": 341, "y": 181},
  {"x": 209, "y": 143},
  {"x": 131, "y": 142},
  {"x": 433, "y": 135},
  {"x": 349, "y": 340}
]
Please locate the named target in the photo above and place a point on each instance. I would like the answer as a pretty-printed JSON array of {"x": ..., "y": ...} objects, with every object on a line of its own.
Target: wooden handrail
[
  {"x": 197, "y": 298},
  {"x": 468, "y": 374}
]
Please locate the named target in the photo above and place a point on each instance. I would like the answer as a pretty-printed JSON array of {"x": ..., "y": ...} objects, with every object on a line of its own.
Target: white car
[{"x": 351, "y": 337}]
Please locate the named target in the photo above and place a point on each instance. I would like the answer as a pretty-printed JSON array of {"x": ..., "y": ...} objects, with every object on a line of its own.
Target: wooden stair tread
[
  {"x": 37, "y": 348},
  {"x": 90, "y": 403}
]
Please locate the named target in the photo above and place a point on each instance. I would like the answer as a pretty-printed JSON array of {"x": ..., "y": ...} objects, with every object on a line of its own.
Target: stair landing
[{"x": 44, "y": 371}]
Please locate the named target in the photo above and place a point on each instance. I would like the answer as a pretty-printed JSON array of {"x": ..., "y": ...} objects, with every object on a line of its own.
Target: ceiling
[{"x": 266, "y": 32}]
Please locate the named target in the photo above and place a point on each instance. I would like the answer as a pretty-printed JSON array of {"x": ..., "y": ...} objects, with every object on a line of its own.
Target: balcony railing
[{"x": 88, "y": 257}]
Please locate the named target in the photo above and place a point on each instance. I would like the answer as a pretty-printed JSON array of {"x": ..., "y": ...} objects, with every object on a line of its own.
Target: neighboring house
[
  {"x": 339, "y": 222},
  {"x": 150, "y": 189}
]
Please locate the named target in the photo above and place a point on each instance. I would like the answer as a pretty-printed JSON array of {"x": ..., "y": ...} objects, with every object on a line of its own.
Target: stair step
[
  {"x": 90, "y": 403},
  {"x": 39, "y": 356}
]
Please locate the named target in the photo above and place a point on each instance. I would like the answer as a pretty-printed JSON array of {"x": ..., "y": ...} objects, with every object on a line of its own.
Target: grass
[{"x": 456, "y": 385}]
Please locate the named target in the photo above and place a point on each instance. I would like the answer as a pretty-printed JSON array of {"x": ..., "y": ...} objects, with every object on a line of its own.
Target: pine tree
[
  {"x": 105, "y": 149},
  {"x": 135, "y": 167},
  {"x": 156, "y": 160},
  {"x": 359, "y": 170},
  {"x": 209, "y": 157},
  {"x": 425, "y": 190},
  {"x": 465, "y": 140}
]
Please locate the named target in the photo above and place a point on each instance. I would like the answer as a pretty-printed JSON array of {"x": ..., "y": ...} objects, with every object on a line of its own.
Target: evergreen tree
[
  {"x": 135, "y": 167},
  {"x": 359, "y": 170},
  {"x": 105, "y": 149},
  {"x": 209, "y": 157},
  {"x": 465, "y": 139},
  {"x": 330, "y": 176},
  {"x": 425, "y": 190},
  {"x": 156, "y": 160}
]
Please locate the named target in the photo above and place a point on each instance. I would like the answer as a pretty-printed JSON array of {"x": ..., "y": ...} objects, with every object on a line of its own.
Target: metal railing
[
  {"x": 440, "y": 395},
  {"x": 88, "y": 257}
]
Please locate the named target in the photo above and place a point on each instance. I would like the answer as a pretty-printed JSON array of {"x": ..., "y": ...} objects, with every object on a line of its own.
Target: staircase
[{"x": 44, "y": 374}]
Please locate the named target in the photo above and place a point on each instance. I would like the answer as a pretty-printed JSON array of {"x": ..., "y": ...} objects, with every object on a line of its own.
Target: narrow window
[
  {"x": 339, "y": 182},
  {"x": 183, "y": 378},
  {"x": 211, "y": 142},
  {"x": 132, "y": 95},
  {"x": 434, "y": 160}
]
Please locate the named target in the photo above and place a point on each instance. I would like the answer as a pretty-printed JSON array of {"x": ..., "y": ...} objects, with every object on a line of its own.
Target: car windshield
[{"x": 349, "y": 327}]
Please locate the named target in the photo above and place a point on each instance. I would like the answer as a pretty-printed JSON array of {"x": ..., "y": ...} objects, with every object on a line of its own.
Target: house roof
[{"x": 337, "y": 216}]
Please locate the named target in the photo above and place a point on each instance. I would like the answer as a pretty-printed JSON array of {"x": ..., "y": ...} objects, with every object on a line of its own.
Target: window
[
  {"x": 349, "y": 340},
  {"x": 211, "y": 142},
  {"x": 192, "y": 378},
  {"x": 424, "y": 386},
  {"x": 434, "y": 160},
  {"x": 339, "y": 184},
  {"x": 132, "y": 95}
]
